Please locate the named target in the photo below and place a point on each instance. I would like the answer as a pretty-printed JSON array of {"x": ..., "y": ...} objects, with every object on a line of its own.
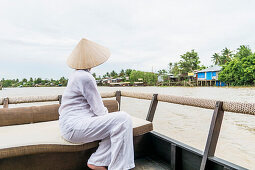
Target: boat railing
[
  {"x": 218, "y": 106},
  {"x": 33, "y": 99}
]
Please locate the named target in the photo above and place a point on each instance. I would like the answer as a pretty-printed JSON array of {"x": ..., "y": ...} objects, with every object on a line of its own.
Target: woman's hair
[{"x": 87, "y": 69}]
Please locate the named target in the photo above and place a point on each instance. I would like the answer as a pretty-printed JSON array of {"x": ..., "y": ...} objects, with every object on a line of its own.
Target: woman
[{"x": 83, "y": 117}]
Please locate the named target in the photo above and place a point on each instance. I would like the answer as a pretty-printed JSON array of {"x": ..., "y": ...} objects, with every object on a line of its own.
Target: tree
[
  {"x": 148, "y": 77},
  {"x": 221, "y": 59},
  {"x": 226, "y": 56},
  {"x": 175, "y": 70},
  {"x": 163, "y": 71},
  {"x": 241, "y": 69},
  {"x": 202, "y": 67},
  {"x": 122, "y": 73},
  {"x": 170, "y": 67},
  {"x": 128, "y": 72},
  {"x": 243, "y": 51},
  {"x": 94, "y": 75},
  {"x": 7, "y": 83},
  {"x": 189, "y": 62},
  {"x": 63, "y": 81},
  {"x": 113, "y": 74},
  {"x": 216, "y": 58},
  {"x": 107, "y": 74},
  {"x": 38, "y": 81}
]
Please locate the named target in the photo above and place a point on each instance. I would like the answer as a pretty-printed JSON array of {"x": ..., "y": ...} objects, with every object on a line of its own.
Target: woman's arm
[{"x": 90, "y": 92}]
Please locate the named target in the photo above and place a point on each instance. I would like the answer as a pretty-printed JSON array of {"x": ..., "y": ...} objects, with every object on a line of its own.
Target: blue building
[{"x": 209, "y": 77}]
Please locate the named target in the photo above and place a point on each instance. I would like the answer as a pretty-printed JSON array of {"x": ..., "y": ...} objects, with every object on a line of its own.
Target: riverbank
[{"x": 139, "y": 86}]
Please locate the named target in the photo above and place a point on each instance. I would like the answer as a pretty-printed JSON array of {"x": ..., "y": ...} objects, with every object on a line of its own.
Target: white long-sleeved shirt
[{"x": 80, "y": 100}]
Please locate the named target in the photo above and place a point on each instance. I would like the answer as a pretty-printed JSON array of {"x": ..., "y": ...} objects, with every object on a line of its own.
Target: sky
[{"x": 36, "y": 37}]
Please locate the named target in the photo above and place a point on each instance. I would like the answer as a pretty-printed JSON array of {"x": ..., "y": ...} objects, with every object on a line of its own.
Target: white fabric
[{"x": 83, "y": 119}]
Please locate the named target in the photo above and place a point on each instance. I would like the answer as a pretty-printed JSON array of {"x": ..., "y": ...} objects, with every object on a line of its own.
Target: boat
[{"x": 30, "y": 137}]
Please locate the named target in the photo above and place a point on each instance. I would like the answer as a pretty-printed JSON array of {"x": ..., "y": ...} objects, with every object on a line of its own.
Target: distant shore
[{"x": 136, "y": 86}]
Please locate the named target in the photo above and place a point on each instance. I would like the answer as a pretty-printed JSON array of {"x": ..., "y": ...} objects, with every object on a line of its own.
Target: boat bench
[{"x": 33, "y": 130}]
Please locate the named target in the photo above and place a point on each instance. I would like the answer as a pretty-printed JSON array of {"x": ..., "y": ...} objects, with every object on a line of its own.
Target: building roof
[{"x": 214, "y": 68}]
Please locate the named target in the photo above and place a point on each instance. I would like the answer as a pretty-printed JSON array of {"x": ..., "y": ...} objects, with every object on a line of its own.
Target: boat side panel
[{"x": 186, "y": 157}]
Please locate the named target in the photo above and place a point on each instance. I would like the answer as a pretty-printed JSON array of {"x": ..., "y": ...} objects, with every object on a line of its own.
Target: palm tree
[
  {"x": 107, "y": 74},
  {"x": 226, "y": 56},
  {"x": 113, "y": 74},
  {"x": 122, "y": 73},
  {"x": 226, "y": 52},
  {"x": 170, "y": 67},
  {"x": 216, "y": 58}
]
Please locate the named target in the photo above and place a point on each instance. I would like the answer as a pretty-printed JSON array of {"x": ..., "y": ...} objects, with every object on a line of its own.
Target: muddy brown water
[{"x": 186, "y": 124}]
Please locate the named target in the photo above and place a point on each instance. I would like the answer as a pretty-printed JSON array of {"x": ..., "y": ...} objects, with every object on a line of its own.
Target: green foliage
[
  {"x": 241, "y": 69},
  {"x": 107, "y": 74},
  {"x": 170, "y": 67},
  {"x": 63, "y": 81},
  {"x": 94, "y": 75},
  {"x": 243, "y": 51},
  {"x": 223, "y": 58},
  {"x": 175, "y": 70},
  {"x": 128, "y": 72},
  {"x": 163, "y": 71},
  {"x": 189, "y": 62},
  {"x": 7, "y": 83},
  {"x": 216, "y": 58},
  {"x": 202, "y": 67},
  {"x": 32, "y": 83},
  {"x": 122, "y": 73},
  {"x": 113, "y": 74},
  {"x": 148, "y": 77}
]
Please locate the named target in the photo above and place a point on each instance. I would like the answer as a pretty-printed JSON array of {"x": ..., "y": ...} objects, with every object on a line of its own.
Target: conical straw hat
[{"x": 87, "y": 54}]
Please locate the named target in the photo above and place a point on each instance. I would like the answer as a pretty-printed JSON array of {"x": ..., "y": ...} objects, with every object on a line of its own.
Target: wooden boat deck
[{"x": 149, "y": 163}]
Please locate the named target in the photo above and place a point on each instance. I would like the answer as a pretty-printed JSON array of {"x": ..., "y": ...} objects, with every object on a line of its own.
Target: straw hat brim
[{"x": 88, "y": 54}]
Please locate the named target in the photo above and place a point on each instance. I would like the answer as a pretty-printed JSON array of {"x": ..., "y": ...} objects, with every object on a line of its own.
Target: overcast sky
[{"x": 37, "y": 36}]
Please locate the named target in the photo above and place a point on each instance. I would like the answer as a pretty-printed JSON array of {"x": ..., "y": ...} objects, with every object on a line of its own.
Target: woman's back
[{"x": 74, "y": 105}]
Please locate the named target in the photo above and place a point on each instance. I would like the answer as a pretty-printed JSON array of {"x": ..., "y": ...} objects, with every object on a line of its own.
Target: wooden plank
[
  {"x": 118, "y": 97},
  {"x": 213, "y": 135},
  {"x": 152, "y": 109},
  {"x": 6, "y": 102}
]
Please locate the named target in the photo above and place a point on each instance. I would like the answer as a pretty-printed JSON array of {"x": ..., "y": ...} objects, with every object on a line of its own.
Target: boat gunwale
[
  {"x": 195, "y": 151},
  {"x": 229, "y": 106}
]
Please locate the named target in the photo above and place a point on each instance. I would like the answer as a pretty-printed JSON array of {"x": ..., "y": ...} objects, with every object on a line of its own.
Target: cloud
[{"x": 141, "y": 35}]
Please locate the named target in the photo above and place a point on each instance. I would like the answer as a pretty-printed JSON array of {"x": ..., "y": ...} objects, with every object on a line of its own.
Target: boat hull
[{"x": 159, "y": 151}]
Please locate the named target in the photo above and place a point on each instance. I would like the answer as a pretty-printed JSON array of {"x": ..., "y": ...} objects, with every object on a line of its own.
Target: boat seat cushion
[{"x": 17, "y": 140}]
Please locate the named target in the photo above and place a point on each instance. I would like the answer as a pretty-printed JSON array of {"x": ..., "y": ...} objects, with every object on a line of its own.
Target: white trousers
[{"x": 116, "y": 134}]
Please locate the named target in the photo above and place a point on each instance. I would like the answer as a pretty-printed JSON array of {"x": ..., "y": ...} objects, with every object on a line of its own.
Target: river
[{"x": 187, "y": 124}]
